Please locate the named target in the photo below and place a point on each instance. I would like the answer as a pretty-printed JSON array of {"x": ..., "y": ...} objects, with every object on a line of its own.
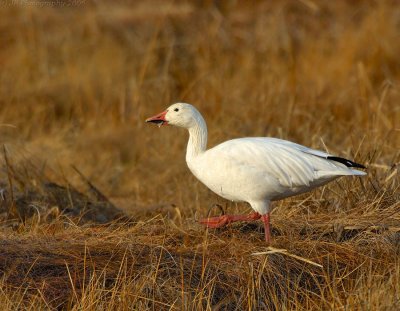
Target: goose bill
[{"x": 158, "y": 119}]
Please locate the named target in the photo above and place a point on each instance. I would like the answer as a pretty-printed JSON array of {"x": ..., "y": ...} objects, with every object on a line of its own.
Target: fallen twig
[{"x": 273, "y": 250}]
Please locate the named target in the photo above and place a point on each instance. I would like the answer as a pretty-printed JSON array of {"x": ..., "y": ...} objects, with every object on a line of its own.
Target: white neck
[{"x": 197, "y": 139}]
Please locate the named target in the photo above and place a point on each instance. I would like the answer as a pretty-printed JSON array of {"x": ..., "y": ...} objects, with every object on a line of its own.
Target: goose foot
[{"x": 221, "y": 221}]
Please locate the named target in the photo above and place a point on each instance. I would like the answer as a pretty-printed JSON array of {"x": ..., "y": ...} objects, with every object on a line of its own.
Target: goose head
[{"x": 179, "y": 114}]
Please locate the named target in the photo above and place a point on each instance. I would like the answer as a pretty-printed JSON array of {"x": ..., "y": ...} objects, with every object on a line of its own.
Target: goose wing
[{"x": 292, "y": 165}]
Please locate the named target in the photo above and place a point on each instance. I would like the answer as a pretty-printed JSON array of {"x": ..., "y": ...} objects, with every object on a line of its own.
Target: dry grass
[{"x": 75, "y": 87}]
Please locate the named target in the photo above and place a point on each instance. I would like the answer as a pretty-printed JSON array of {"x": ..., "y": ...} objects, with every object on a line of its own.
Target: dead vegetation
[
  {"x": 98, "y": 210},
  {"x": 29, "y": 196}
]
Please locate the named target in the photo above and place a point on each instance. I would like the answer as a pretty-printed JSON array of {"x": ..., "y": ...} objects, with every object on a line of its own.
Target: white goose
[{"x": 256, "y": 170}]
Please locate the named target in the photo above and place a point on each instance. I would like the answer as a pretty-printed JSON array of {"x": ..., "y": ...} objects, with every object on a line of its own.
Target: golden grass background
[{"x": 76, "y": 84}]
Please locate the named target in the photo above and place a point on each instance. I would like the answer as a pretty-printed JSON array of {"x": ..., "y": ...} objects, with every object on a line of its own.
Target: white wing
[{"x": 293, "y": 165}]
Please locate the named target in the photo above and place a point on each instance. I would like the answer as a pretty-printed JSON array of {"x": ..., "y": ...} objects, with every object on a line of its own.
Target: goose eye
[{"x": 176, "y": 109}]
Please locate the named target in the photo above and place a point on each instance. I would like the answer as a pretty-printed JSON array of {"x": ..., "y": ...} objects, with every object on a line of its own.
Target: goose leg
[
  {"x": 267, "y": 230},
  {"x": 221, "y": 221}
]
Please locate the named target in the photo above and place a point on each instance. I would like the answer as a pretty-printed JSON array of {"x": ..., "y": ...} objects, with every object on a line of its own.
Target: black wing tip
[{"x": 346, "y": 162}]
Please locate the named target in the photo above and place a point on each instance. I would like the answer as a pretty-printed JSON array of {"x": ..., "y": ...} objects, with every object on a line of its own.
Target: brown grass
[{"x": 76, "y": 84}]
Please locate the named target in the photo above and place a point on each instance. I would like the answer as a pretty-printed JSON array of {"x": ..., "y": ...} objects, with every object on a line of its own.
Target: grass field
[{"x": 98, "y": 210}]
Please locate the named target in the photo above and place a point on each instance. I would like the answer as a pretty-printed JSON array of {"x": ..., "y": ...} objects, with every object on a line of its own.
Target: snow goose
[{"x": 256, "y": 170}]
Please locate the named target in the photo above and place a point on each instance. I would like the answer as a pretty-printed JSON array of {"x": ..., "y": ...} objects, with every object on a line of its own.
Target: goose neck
[{"x": 197, "y": 140}]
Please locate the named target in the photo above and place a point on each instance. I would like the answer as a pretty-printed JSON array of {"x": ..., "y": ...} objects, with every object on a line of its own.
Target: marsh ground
[{"x": 76, "y": 84}]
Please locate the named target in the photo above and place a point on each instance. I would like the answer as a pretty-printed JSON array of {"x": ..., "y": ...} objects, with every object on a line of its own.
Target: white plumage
[{"x": 256, "y": 170}]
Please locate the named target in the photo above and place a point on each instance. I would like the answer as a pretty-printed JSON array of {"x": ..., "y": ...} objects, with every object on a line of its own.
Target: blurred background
[{"x": 78, "y": 79}]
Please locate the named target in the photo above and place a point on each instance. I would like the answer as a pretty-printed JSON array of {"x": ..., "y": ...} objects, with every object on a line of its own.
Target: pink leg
[
  {"x": 267, "y": 230},
  {"x": 221, "y": 221}
]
